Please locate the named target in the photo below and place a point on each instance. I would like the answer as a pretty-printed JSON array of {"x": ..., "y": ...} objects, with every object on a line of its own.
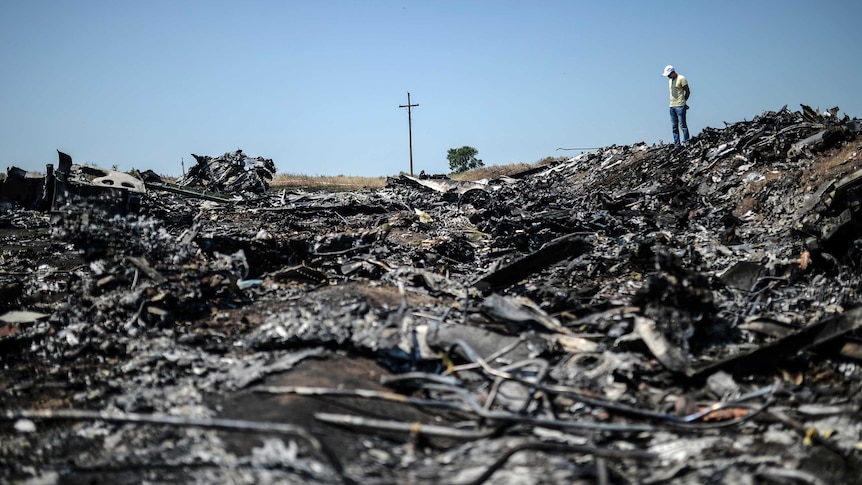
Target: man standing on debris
[{"x": 679, "y": 93}]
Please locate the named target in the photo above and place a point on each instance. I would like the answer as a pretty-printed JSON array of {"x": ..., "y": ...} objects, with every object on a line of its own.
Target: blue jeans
[{"x": 677, "y": 122}]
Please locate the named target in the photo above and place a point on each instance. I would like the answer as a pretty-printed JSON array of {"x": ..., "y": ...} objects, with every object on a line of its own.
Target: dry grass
[
  {"x": 326, "y": 182},
  {"x": 491, "y": 172},
  {"x": 495, "y": 171},
  {"x": 345, "y": 182}
]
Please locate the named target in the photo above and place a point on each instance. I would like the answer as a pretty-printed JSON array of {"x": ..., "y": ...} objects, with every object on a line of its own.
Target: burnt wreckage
[
  {"x": 212, "y": 178},
  {"x": 115, "y": 191},
  {"x": 230, "y": 173},
  {"x": 635, "y": 314}
]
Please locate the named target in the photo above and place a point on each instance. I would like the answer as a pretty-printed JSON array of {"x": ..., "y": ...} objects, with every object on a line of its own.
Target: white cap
[{"x": 667, "y": 70}]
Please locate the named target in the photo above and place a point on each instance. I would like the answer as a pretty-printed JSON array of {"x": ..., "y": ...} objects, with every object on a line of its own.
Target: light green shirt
[{"x": 677, "y": 93}]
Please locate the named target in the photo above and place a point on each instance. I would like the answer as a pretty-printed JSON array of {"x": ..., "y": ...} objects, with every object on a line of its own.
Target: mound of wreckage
[{"x": 635, "y": 314}]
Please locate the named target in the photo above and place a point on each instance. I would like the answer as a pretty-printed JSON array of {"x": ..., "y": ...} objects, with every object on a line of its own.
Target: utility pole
[{"x": 409, "y": 127}]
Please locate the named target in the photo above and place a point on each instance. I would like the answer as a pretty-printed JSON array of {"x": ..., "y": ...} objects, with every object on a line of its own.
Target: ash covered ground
[{"x": 635, "y": 314}]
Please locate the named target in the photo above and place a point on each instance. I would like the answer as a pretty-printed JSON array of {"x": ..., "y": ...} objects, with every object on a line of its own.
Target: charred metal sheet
[
  {"x": 116, "y": 191},
  {"x": 493, "y": 347},
  {"x": 770, "y": 354},
  {"x": 440, "y": 184},
  {"x": 821, "y": 140},
  {"x": 822, "y": 197},
  {"x": 669, "y": 354},
  {"x": 845, "y": 191},
  {"x": 24, "y": 188},
  {"x": 551, "y": 253},
  {"x": 743, "y": 275},
  {"x": 520, "y": 314},
  {"x": 198, "y": 194}
]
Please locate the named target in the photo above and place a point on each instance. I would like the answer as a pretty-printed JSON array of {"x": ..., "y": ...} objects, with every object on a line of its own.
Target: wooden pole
[{"x": 409, "y": 127}]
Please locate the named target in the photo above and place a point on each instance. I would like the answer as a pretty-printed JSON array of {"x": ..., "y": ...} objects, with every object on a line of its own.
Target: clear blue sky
[{"x": 316, "y": 85}]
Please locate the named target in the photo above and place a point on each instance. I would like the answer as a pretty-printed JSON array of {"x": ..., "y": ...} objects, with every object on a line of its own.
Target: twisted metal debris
[
  {"x": 635, "y": 314},
  {"x": 233, "y": 172}
]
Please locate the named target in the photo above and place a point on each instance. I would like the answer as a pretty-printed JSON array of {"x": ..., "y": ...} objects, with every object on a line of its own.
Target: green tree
[{"x": 463, "y": 159}]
